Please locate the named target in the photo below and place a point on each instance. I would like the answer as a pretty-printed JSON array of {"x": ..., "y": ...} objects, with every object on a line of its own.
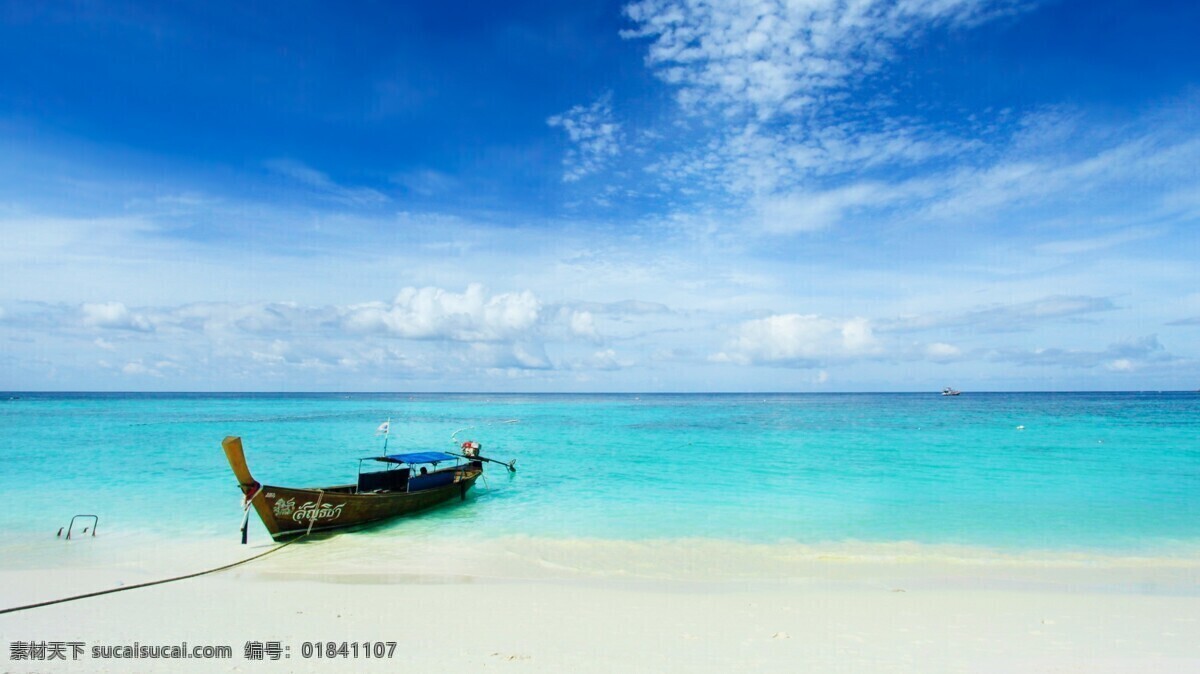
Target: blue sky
[{"x": 652, "y": 196}]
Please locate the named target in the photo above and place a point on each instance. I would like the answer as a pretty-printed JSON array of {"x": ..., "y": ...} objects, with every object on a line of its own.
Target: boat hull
[{"x": 287, "y": 512}]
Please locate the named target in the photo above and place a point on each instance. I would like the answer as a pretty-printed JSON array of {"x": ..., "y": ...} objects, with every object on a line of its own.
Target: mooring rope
[
  {"x": 153, "y": 582},
  {"x": 312, "y": 520}
]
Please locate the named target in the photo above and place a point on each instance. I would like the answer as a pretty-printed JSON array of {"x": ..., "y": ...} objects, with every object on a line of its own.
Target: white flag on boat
[{"x": 383, "y": 428}]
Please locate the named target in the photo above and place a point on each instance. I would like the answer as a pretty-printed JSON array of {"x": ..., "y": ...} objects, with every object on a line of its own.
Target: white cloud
[
  {"x": 941, "y": 351},
  {"x": 775, "y": 85},
  {"x": 583, "y": 324},
  {"x": 595, "y": 135},
  {"x": 114, "y": 315},
  {"x": 277, "y": 352},
  {"x": 1085, "y": 178},
  {"x": 430, "y": 330},
  {"x": 137, "y": 368},
  {"x": 1121, "y": 365},
  {"x": 799, "y": 340},
  {"x": 770, "y": 57},
  {"x": 605, "y": 359},
  {"x": 434, "y": 313}
]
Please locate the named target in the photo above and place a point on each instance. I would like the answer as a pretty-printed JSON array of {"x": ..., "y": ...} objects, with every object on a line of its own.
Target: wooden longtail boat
[{"x": 396, "y": 490}]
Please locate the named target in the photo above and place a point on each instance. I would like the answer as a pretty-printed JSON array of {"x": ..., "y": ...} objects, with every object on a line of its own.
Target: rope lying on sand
[{"x": 153, "y": 582}]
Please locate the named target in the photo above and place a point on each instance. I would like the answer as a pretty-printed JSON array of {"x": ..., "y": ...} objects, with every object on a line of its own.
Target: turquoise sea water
[{"x": 1106, "y": 472}]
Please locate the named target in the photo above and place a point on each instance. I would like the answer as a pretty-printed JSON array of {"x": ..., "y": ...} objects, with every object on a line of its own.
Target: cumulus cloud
[
  {"x": 941, "y": 351},
  {"x": 434, "y": 313},
  {"x": 113, "y": 315},
  {"x": 583, "y": 324},
  {"x": 799, "y": 340},
  {"x": 429, "y": 332},
  {"x": 594, "y": 133}
]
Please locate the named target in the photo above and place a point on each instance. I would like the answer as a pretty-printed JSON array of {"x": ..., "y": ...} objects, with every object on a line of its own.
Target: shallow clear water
[{"x": 1108, "y": 472}]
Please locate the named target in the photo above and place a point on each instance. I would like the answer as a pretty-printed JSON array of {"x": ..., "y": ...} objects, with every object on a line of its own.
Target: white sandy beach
[{"x": 533, "y": 605}]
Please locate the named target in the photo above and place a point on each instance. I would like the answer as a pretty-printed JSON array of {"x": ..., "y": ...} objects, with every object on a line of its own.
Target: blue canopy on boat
[{"x": 413, "y": 458}]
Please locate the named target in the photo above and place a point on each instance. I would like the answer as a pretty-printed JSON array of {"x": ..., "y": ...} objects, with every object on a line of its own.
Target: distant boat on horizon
[{"x": 950, "y": 392}]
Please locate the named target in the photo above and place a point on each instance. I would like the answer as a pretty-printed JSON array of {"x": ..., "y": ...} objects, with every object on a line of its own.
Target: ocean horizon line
[{"x": 576, "y": 393}]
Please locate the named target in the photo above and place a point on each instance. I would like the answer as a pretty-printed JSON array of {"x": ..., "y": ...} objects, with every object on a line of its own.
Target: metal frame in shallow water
[{"x": 287, "y": 511}]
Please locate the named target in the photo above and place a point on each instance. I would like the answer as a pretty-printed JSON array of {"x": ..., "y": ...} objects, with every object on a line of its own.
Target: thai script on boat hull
[
  {"x": 311, "y": 511},
  {"x": 283, "y": 507}
]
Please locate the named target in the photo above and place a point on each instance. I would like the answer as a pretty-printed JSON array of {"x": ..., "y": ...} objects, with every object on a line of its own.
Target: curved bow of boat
[
  {"x": 237, "y": 461},
  {"x": 251, "y": 489}
]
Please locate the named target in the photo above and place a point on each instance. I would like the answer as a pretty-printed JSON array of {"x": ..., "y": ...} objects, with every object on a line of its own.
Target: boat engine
[{"x": 470, "y": 448}]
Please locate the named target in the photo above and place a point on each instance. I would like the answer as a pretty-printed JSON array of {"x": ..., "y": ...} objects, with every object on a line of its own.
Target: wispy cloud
[
  {"x": 1124, "y": 356},
  {"x": 810, "y": 211},
  {"x": 768, "y": 58},
  {"x": 322, "y": 185},
  {"x": 784, "y": 137},
  {"x": 595, "y": 136},
  {"x": 1191, "y": 320},
  {"x": 1096, "y": 243},
  {"x": 1083, "y": 175},
  {"x": 426, "y": 182},
  {"x": 1007, "y": 317},
  {"x": 772, "y": 81}
]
